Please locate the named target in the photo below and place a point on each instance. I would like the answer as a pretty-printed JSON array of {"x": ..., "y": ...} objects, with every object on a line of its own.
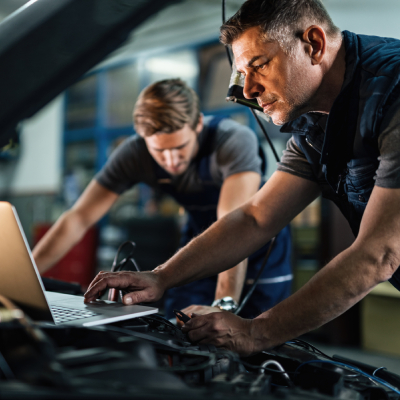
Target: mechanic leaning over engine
[
  {"x": 338, "y": 93},
  {"x": 211, "y": 166}
]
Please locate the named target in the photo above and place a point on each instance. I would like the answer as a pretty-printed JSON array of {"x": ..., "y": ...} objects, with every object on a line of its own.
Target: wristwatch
[{"x": 226, "y": 304}]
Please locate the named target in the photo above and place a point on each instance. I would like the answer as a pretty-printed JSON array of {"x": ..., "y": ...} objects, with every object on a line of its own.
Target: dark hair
[
  {"x": 166, "y": 106},
  {"x": 279, "y": 20}
]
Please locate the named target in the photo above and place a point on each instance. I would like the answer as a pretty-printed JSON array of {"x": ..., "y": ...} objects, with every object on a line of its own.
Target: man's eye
[{"x": 260, "y": 67}]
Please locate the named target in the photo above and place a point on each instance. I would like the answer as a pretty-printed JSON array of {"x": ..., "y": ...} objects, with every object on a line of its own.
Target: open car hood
[{"x": 47, "y": 45}]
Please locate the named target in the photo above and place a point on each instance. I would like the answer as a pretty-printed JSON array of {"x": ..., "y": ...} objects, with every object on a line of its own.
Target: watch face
[{"x": 226, "y": 303}]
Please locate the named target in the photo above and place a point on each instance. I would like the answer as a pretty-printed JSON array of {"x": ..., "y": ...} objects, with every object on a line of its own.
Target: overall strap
[
  {"x": 212, "y": 127},
  {"x": 203, "y": 158}
]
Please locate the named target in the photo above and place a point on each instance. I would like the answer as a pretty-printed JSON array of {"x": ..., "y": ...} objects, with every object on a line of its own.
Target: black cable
[
  {"x": 310, "y": 347},
  {"x": 125, "y": 261},
  {"x": 223, "y": 21},
  {"x": 117, "y": 267},
  {"x": 251, "y": 290},
  {"x": 266, "y": 135},
  {"x": 163, "y": 320},
  {"x": 223, "y": 13},
  {"x": 114, "y": 264}
]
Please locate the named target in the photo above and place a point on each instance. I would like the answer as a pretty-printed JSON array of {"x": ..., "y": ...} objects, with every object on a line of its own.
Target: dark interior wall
[
  {"x": 336, "y": 237},
  {"x": 341, "y": 236}
]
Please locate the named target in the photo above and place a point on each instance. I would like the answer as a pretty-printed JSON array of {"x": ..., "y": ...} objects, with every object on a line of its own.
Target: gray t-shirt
[
  {"x": 234, "y": 149},
  {"x": 388, "y": 172}
]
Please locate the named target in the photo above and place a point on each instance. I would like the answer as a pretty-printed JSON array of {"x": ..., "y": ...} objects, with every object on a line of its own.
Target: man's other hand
[
  {"x": 198, "y": 310},
  {"x": 142, "y": 286},
  {"x": 222, "y": 329}
]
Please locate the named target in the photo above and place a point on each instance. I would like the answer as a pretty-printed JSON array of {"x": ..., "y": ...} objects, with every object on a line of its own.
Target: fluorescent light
[{"x": 165, "y": 66}]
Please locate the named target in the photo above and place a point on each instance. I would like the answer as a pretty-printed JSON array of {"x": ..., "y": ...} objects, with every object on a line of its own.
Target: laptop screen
[{"x": 19, "y": 278}]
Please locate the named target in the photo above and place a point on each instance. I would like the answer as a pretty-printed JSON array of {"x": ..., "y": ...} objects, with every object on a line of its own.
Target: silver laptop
[{"x": 21, "y": 283}]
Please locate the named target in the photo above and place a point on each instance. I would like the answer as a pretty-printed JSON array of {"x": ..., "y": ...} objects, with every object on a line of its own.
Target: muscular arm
[
  {"x": 94, "y": 202},
  {"x": 228, "y": 241},
  {"x": 373, "y": 258}
]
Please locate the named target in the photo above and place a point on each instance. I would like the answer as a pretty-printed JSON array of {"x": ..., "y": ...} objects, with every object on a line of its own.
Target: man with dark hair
[
  {"x": 338, "y": 94},
  {"x": 210, "y": 166}
]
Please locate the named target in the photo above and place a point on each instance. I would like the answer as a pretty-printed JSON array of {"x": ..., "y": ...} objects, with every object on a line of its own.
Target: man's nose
[
  {"x": 251, "y": 88},
  {"x": 171, "y": 158}
]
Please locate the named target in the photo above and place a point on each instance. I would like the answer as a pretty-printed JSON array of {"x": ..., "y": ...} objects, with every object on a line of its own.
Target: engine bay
[{"x": 151, "y": 358}]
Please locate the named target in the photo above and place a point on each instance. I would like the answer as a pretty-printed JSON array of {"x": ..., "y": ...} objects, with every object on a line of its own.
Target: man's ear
[
  {"x": 200, "y": 124},
  {"x": 315, "y": 39}
]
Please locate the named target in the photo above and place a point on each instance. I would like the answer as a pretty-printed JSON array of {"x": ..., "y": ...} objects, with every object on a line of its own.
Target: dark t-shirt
[
  {"x": 234, "y": 149},
  {"x": 388, "y": 172}
]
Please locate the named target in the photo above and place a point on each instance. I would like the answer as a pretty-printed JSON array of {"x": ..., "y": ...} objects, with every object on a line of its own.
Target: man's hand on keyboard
[{"x": 141, "y": 286}]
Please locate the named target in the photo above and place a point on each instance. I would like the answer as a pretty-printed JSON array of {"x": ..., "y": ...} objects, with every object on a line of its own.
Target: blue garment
[
  {"x": 276, "y": 280},
  {"x": 349, "y": 150}
]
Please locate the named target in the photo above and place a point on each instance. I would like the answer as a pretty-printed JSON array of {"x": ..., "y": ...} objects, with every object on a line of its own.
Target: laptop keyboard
[{"x": 64, "y": 314}]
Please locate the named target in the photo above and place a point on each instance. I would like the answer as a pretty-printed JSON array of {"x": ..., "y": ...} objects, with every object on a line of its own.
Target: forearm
[
  {"x": 227, "y": 242},
  {"x": 230, "y": 282},
  {"x": 240, "y": 233},
  {"x": 61, "y": 237},
  {"x": 237, "y": 234},
  {"x": 333, "y": 290}
]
